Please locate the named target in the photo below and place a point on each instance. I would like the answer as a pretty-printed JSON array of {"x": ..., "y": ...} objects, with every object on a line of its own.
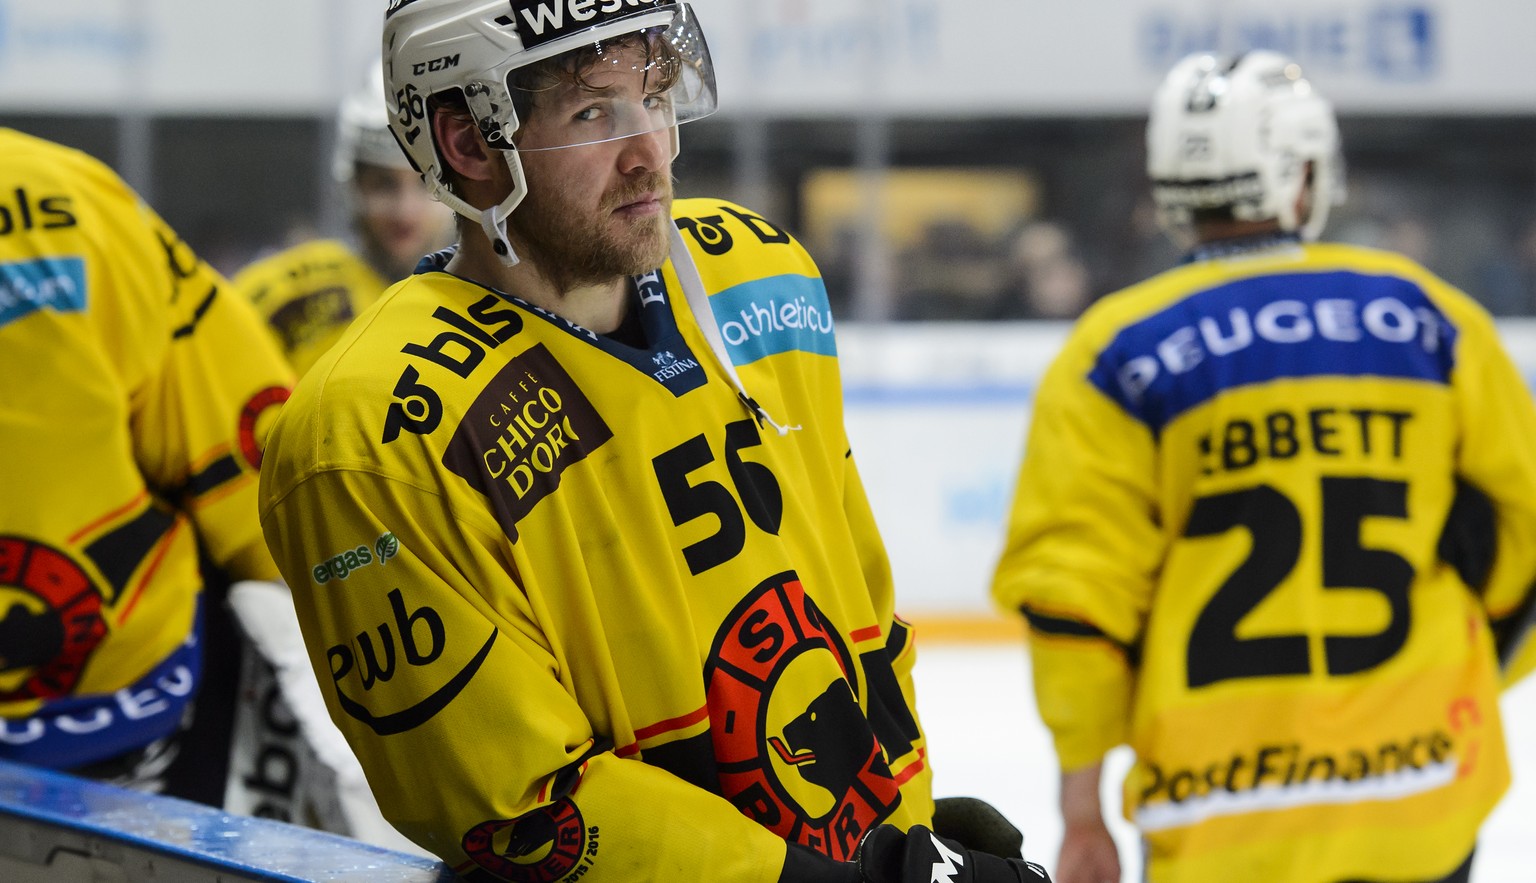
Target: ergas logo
[
  {"x": 342, "y": 564},
  {"x": 386, "y": 547}
]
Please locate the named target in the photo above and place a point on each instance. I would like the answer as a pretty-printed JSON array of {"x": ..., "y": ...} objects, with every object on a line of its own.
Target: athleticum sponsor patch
[{"x": 46, "y": 283}]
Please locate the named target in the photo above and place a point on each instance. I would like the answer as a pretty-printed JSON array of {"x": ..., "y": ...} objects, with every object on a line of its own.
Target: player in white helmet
[
  {"x": 1270, "y": 530},
  {"x": 1254, "y": 143},
  {"x": 575, "y": 533},
  {"x": 310, "y": 292}
]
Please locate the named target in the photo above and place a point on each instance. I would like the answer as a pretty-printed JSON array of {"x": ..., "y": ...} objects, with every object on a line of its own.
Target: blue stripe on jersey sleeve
[
  {"x": 1251, "y": 331},
  {"x": 779, "y": 314},
  {"x": 29, "y": 286}
]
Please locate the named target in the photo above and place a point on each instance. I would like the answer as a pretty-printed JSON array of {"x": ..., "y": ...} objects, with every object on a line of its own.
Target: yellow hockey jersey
[
  {"x": 309, "y": 294},
  {"x": 1227, "y": 538},
  {"x": 576, "y": 609},
  {"x": 137, "y": 392}
]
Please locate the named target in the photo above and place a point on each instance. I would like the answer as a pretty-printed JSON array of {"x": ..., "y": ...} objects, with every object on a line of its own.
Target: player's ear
[{"x": 462, "y": 146}]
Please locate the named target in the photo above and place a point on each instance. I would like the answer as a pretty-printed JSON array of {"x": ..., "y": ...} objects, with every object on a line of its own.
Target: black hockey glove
[
  {"x": 978, "y": 825},
  {"x": 920, "y": 856}
]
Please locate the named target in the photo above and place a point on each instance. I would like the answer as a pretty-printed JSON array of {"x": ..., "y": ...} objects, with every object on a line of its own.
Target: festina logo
[{"x": 540, "y": 21}]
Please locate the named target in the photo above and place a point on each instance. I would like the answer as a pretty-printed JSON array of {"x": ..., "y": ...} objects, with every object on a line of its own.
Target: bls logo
[
  {"x": 714, "y": 236},
  {"x": 372, "y": 672},
  {"x": 417, "y": 407},
  {"x": 24, "y": 212},
  {"x": 51, "y": 624},
  {"x": 813, "y": 773}
]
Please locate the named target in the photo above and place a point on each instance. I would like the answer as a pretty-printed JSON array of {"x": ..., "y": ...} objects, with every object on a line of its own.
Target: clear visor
[{"x": 637, "y": 83}]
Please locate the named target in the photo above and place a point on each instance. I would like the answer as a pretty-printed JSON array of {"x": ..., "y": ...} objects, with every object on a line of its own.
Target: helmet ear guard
[
  {"x": 491, "y": 106},
  {"x": 1238, "y": 134}
]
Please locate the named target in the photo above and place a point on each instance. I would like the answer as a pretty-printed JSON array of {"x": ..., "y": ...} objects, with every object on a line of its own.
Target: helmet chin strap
[
  {"x": 494, "y": 219},
  {"x": 494, "y": 222}
]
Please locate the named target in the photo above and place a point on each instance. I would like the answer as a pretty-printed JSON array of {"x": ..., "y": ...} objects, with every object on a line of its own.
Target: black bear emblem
[{"x": 830, "y": 742}]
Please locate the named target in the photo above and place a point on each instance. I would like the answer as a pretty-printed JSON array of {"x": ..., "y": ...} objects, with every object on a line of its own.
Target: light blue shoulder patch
[
  {"x": 44, "y": 283},
  {"x": 779, "y": 314}
]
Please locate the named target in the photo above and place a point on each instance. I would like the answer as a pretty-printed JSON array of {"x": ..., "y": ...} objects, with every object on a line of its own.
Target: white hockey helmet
[
  {"x": 474, "y": 47},
  {"x": 1238, "y": 132},
  {"x": 362, "y": 129}
]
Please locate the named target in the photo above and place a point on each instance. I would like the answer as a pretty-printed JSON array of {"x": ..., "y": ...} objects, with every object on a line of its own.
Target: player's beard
[{"x": 572, "y": 248}]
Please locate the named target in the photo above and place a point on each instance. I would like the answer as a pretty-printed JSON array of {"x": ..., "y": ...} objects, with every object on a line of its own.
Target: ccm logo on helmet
[
  {"x": 435, "y": 65},
  {"x": 540, "y": 21}
]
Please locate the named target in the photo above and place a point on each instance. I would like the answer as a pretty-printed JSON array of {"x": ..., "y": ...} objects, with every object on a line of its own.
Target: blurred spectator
[
  {"x": 1508, "y": 281},
  {"x": 952, "y": 272},
  {"x": 310, "y": 292},
  {"x": 1044, "y": 278}
]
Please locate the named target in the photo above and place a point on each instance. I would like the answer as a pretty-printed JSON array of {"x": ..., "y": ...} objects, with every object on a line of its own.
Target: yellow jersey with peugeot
[
  {"x": 129, "y": 437},
  {"x": 579, "y": 612},
  {"x": 1225, "y": 539},
  {"x": 309, "y": 294}
]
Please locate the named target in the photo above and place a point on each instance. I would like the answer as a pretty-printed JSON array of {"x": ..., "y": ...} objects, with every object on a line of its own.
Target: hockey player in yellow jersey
[
  {"x": 131, "y": 440},
  {"x": 578, "y": 544},
  {"x": 1275, "y": 526},
  {"x": 310, "y": 292}
]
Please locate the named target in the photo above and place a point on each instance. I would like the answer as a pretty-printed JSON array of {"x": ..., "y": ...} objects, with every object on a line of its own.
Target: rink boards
[{"x": 56, "y": 828}]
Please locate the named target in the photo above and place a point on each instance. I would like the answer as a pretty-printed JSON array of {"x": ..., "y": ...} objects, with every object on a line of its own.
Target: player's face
[
  {"x": 397, "y": 218},
  {"x": 598, "y": 210}
]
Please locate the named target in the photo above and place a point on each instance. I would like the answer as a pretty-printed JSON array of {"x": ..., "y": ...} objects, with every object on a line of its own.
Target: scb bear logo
[
  {"x": 50, "y": 620},
  {"x": 542, "y": 846},
  {"x": 795, "y": 751}
]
